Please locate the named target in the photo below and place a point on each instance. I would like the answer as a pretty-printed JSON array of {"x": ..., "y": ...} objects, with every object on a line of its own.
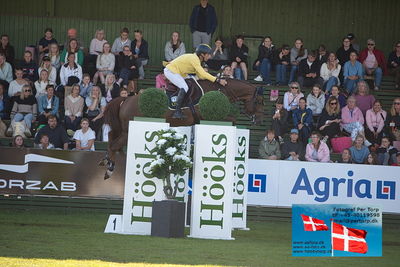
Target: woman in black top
[
  {"x": 239, "y": 54},
  {"x": 128, "y": 66},
  {"x": 329, "y": 122}
]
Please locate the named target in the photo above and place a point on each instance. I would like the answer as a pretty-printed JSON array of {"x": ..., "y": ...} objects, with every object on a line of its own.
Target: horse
[{"x": 120, "y": 110}]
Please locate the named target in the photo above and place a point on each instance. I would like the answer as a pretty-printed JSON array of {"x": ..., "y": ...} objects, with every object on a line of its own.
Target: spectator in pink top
[
  {"x": 161, "y": 81},
  {"x": 352, "y": 118},
  {"x": 375, "y": 120},
  {"x": 365, "y": 101},
  {"x": 373, "y": 61},
  {"x": 317, "y": 151}
]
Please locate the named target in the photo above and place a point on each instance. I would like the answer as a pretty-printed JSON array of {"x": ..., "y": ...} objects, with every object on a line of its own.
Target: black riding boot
[{"x": 178, "y": 112}]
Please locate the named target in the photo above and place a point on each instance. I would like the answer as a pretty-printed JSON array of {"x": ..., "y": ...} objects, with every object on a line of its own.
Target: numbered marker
[{"x": 114, "y": 224}]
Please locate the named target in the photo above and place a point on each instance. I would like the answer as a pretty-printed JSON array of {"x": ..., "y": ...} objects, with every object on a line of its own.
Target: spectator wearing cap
[
  {"x": 374, "y": 62},
  {"x": 394, "y": 64},
  {"x": 294, "y": 148},
  {"x": 309, "y": 71},
  {"x": 46, "y": 41},
  {"x": 280, "y": 119},
  {"x": 46, "y": 65},
  {"x": 269, "y": 147},
  {"x": 353, "y": 42}
]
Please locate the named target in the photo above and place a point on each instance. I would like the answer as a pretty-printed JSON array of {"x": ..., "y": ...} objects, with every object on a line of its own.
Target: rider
[{"x": 182, "y": 66}]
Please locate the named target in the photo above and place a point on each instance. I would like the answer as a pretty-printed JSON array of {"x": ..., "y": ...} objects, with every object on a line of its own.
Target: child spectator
[
  {"x": 105, "y": 64},
  {"x": 303, "y": 120},
  {"x": 85, "y": 86},
  {"x": 18, "y": 142},
  {"x": 56, "y": 133},
  {"x": 293, "y": 149},
  {"x": 123, "y": 93},
  {"x": 44, "y": 142},
  {"x": 330, "y": 71},
  {"x": 73, "y": 109},
  {"x": 266, "y": 51},
  {"x": 226, "y": 72},
  {"x": 48, "y": 105},
  {"x": 386, "y": 152},
  {"x": 280, "y": 120},
  {"x": 139, "y": 48},
  {"x": 394, "y": 64},
  {"x": 359, "y": 151},
  {"x": 317, "y": 151},
  {"x": 316, "y": 100},
  {"x": 238, "y": 57},
  {"x": 345, "y": 157},
  {"x": 281, "y": 60},
  {"x": 174, "y": 47},
  {"x": 375, "y": 121},
  {"x": 353, "y": 73},
  {"x": 297, "y": 54},
  {"x": 365, "y": 101},
  {"x": 84, "y": 137},
  {"x": 269, "y": 147},
  {"x": 161, "y": 81}
]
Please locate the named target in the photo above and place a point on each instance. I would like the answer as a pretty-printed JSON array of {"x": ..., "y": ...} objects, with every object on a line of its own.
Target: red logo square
[
  {"x": 386, "y": 190},
  {"x": 257, "y": 182}
]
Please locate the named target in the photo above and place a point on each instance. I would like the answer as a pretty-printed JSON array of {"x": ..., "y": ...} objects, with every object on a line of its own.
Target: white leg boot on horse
[{"x": 178, "y": 112}]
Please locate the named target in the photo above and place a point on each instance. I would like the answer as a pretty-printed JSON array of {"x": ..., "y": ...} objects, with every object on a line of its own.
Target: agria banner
[{"x": 283, "y": 183}]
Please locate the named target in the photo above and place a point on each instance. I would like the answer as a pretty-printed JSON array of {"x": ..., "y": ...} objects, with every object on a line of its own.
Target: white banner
[
  {"x": 294, "y": 182},
  {"x": 214, "y": 160},
  {"x": 141, "y": 188},
  {"x": 239, "y": 203}
]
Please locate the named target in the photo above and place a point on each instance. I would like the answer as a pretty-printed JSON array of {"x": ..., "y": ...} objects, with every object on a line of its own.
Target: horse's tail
[{"x": 111, "y": 116}]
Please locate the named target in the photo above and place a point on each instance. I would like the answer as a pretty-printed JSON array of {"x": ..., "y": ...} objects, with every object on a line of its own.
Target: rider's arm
[{"x": 202, "y": 74}]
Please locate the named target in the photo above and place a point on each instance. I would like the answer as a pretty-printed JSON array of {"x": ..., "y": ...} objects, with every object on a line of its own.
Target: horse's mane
[{"x": 111, "y": 115}]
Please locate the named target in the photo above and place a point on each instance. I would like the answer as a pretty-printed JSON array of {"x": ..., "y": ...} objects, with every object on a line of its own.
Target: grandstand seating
[{"x": 257, "y": 132}]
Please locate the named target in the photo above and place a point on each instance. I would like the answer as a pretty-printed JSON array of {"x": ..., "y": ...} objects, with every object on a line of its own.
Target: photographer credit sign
[
  {"x": 214, "y": 161},
  {"x": 141, "y": 188},
  {"x": 239, "y": 203}
]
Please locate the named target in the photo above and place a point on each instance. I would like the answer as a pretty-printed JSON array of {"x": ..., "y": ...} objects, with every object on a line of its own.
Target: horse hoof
[
  {"x": 106, "y": 176},
  {"x": 103, "y": 162}
]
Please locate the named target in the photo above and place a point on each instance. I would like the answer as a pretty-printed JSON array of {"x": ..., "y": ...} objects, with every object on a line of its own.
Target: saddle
[{"x": 191, "y": 99}]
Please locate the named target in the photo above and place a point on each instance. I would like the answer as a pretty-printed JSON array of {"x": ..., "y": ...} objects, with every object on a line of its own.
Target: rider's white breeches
[{"x": 176, "y": 79}]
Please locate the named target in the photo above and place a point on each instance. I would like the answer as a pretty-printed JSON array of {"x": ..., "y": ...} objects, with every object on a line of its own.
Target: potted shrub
[{"x": 168, "y": 216}]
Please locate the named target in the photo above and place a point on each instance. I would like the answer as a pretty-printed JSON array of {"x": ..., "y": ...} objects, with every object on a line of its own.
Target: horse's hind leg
[{"x": 113, "y": 147}]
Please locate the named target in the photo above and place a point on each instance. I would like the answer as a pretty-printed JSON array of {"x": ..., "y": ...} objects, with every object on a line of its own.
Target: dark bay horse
[{"x": 120, "y": 110}]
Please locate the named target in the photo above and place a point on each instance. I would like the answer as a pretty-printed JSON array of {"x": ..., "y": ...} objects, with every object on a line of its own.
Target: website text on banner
[{"x": 283, "y": 183}]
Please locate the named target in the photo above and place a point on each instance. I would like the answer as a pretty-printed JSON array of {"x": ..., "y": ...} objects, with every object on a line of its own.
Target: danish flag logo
[
  {"x": 349, "y": 239},
  {"x": 313, "y": 224}
]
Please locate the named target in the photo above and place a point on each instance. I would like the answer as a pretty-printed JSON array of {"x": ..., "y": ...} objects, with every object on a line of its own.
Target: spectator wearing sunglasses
[
  {"x": 329, "y": 122},
  {"x": 25, "y": 107},
  {"x": 374, "y": 63}
]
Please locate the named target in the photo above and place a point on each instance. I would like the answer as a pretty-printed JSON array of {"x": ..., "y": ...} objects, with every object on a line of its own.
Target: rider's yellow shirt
[{"x": 189, "y": 64}]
